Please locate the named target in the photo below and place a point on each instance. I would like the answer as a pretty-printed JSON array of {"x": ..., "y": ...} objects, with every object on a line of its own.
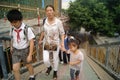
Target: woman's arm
[{"x": 62, "y": 41}]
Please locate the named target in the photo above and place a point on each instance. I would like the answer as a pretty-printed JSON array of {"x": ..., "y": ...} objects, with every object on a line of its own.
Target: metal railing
[
  {"x": 29, "y": 8},
  {"x": 28, "y": 12},
  {"x": 108, "y": 57},
  {"x": 5, "y": 55}
]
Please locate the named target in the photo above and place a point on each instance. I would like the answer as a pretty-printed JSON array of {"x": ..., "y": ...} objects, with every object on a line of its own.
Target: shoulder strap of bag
[{"x": 44, "y": 21}]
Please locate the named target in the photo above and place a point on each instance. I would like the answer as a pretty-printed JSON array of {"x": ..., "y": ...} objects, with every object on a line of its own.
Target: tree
[
  {"x": 94, "y": 16},
  {"x": 77, "y": 15}
]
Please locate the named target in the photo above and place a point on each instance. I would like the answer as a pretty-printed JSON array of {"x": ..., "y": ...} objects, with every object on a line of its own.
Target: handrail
[
  {"x": 108, "y": 57},
  {"x": 5, "y": 38},
  {"x": 24, "y": 8},
  {"x": 107, "y": 44}
]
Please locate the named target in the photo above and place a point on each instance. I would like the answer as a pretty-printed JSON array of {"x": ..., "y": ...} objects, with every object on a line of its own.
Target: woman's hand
[
  {"x": 62, "y": 47},
  {"x": 62, "y": 44}
]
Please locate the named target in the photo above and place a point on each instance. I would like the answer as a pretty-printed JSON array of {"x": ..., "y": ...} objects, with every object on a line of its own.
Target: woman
[{"x": 52, "y": 33}]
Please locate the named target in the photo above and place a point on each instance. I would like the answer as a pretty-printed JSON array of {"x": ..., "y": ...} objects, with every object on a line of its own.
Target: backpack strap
[
  {"x": 44, "y": 21},
  {"x": 26, "y": 32},
  {"x": 11, "y": 35}
]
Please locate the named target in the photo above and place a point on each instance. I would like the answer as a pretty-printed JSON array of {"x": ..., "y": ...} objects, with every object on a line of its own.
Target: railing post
[
  {"x": 2, "y": 61},
  {"x": 37, "y": 50},
  {"x": 96, "y": 53},
  {"x": 19, "y": 7},
  {"x": 107, "y": 56}
]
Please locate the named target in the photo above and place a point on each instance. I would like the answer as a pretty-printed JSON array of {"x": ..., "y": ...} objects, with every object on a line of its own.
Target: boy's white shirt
[{"x": 23, "y": 42}]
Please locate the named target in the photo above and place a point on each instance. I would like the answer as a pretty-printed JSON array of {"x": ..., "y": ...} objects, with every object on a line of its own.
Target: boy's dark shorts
[{"x": 19, "y": 55}]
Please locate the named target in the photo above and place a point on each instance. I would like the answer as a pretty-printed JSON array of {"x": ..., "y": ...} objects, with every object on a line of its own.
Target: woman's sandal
[
  {"x": 48, "y": 70},
  {"x": 55, "y": 75}
]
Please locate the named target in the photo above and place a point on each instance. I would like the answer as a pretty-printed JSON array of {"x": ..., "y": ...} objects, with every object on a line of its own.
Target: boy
[
  {"x": 22, "y": 46},
  {"x": 52, "y": 33},
  {"x": 66, "y": 55}
]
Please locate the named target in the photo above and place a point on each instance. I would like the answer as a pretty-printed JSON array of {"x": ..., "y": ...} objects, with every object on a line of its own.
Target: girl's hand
[{"x": 71, "y": 63}]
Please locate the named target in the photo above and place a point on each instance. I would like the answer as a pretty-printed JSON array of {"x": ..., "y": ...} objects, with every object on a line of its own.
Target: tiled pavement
[
  {"x": 90, "y": 71},
  {"x": 87, "y": 73}
]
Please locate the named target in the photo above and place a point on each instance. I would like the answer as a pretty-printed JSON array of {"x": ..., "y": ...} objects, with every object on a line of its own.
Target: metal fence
[
  {"x": 6, "y": 57},
  {"x": 29, "y": 8},
  {"x": 108, "y": 57}
]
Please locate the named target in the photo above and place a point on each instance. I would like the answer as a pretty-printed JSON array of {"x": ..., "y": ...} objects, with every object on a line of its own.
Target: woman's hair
[
  {"x": 50, "y": 6},
  {"x": 74, "y": 40},
  {"x": 14, "y": 15}
]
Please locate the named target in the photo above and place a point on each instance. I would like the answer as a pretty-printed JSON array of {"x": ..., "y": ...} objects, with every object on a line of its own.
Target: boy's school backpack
[{"x": 25, "y": 31}]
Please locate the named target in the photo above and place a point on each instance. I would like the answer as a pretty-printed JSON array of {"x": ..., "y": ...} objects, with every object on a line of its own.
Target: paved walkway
[
  {"x": 87, "y": 73},
  {"x": 90, "y": 71},
  {"x": 63, "y": 74}
]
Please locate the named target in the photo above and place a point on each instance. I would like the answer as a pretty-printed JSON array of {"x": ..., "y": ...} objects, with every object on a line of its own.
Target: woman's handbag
[{"x": 52, "y": 47}]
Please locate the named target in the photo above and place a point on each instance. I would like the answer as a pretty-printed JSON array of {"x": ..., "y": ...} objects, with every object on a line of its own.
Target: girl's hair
[
  {"x": 14, "y": 15},
  {"x": 50, "y": 6},
  {"x": 76, "y": 40}
]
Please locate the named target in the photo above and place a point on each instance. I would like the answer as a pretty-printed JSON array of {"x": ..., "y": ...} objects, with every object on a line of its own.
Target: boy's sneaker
[
  {"x": 55, "y": 75},
  {"x": 48, "y": 70},
  {"x": 32, "y": 78}
]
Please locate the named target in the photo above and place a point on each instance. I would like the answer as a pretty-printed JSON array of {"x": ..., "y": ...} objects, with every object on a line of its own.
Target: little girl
[{"x": 76, "y": 58}]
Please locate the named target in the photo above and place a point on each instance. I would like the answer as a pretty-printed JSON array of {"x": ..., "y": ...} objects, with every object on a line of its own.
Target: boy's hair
[
  {"x": 14, "y": 15},
  {"x": 76, "y": 40}
]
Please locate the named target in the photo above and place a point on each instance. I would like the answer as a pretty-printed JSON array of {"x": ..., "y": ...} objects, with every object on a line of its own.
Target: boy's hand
[
  {"x": 40, "y": 42},
  {"x": 29, "y": 58},
  {"x": 11, "y": 50}
]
